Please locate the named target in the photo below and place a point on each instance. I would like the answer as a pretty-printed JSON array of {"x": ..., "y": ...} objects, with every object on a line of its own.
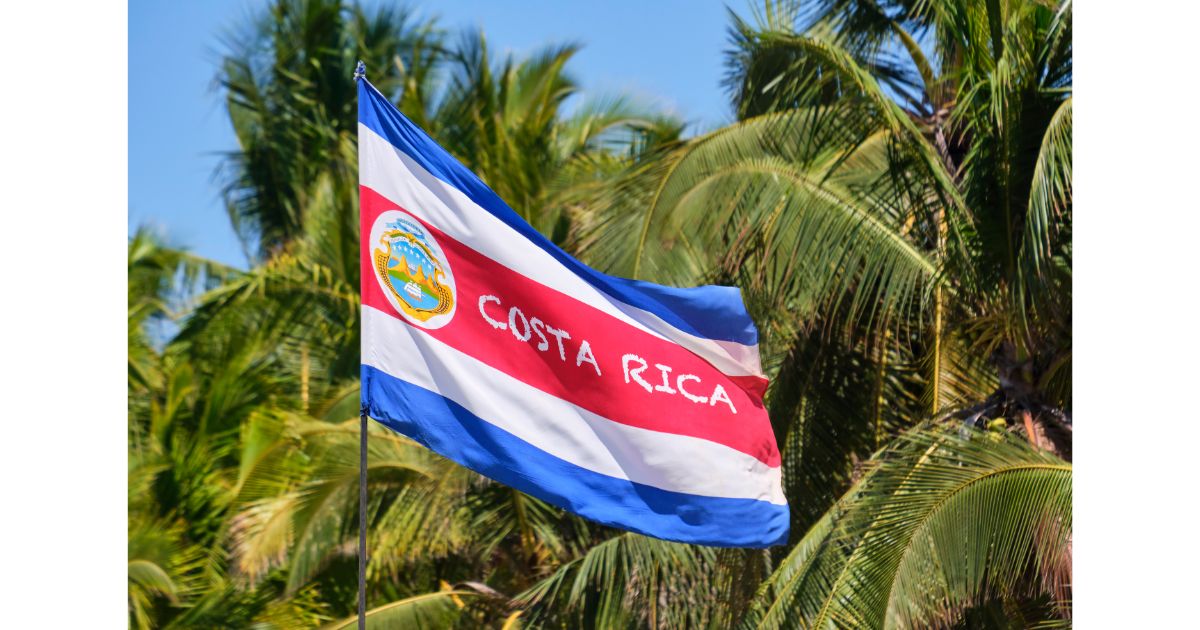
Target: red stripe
[{"x": 608, "y": 394}]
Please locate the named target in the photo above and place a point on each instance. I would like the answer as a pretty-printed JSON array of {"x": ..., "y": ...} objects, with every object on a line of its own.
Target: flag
[{"x": 628, "y": 403}]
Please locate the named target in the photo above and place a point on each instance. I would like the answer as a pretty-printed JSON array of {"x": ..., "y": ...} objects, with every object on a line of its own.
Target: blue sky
[{"x": 667, "y": 52}]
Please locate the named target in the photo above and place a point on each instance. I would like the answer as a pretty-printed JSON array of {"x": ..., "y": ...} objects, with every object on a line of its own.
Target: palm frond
[
  {"x": 162, "y": 565},
  {"x": 625, "y": 580},
  {"x": 939, "y": 523},
  {"x": 1050, "y": 198},
  {"x": 303, "y": 514},
  {"x": 771, "y": 200},
  {"x": 427, "y": 612}
]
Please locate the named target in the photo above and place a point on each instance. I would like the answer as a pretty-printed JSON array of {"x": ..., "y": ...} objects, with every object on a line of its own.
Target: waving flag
[{"x": 629, "y": 403}]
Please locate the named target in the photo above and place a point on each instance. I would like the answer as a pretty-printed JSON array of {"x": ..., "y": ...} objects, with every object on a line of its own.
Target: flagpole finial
[{"x": 360, "y": 71}]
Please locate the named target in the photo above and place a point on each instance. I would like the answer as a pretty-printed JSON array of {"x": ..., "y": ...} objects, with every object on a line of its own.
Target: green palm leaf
[
  {"x": 162, "y": 565},
  {"x": 628, "y": 580},
  {"x": 795, "y": 206},
  {"x": 421, "y": 612},
  {"x": 939, "y": 524},
  {"x": 303, "y": 514},
  {"x": 1050, "y": 198}
]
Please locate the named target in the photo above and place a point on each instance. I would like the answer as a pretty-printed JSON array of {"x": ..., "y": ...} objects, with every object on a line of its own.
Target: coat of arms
[{"x": 412, "y": 269}]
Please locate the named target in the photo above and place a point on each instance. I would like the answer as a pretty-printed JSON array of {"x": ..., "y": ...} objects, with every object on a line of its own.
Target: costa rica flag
[{"x": 636, "y": 405}]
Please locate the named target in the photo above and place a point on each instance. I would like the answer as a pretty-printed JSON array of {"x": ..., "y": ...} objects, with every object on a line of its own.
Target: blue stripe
[
  {"x": 450, "y": 430},
  {"x": 712, "y": 312}
]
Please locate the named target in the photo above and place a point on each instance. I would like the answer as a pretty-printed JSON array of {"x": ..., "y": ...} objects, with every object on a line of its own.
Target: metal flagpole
[
  {"x": 362, "y": 521},
  {"x": 360, "y": 72}
]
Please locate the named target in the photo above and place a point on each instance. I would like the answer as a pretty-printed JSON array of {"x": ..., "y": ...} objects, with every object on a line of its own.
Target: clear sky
[{"x": 667, "y": 52}]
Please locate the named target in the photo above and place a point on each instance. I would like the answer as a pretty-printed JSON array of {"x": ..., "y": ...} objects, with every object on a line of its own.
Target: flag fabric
[{"x": 629, "y": 403}]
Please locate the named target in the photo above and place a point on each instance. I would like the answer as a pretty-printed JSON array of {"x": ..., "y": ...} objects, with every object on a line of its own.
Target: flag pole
[
  {"x": 362, "y": 521},
  {"x": 360, "y": 72}
]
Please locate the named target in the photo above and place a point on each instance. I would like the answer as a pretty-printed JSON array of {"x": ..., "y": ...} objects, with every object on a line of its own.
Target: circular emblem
[{"x": 412, "y": 270}]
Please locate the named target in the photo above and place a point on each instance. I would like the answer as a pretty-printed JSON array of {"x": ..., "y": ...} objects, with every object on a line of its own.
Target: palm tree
[
  {"x": 902, "y": 230},
  {"x": 290, "y": 95},
  {"x": 258, "y": 467},
  {"x": 289, "y": 87},
  {"x": 894, "y": 199}
]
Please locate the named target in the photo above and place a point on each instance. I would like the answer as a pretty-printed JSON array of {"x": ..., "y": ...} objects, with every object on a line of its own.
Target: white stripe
[
  {"x": 382, "y": 168},
  {"x": 677, "y": 463}
]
